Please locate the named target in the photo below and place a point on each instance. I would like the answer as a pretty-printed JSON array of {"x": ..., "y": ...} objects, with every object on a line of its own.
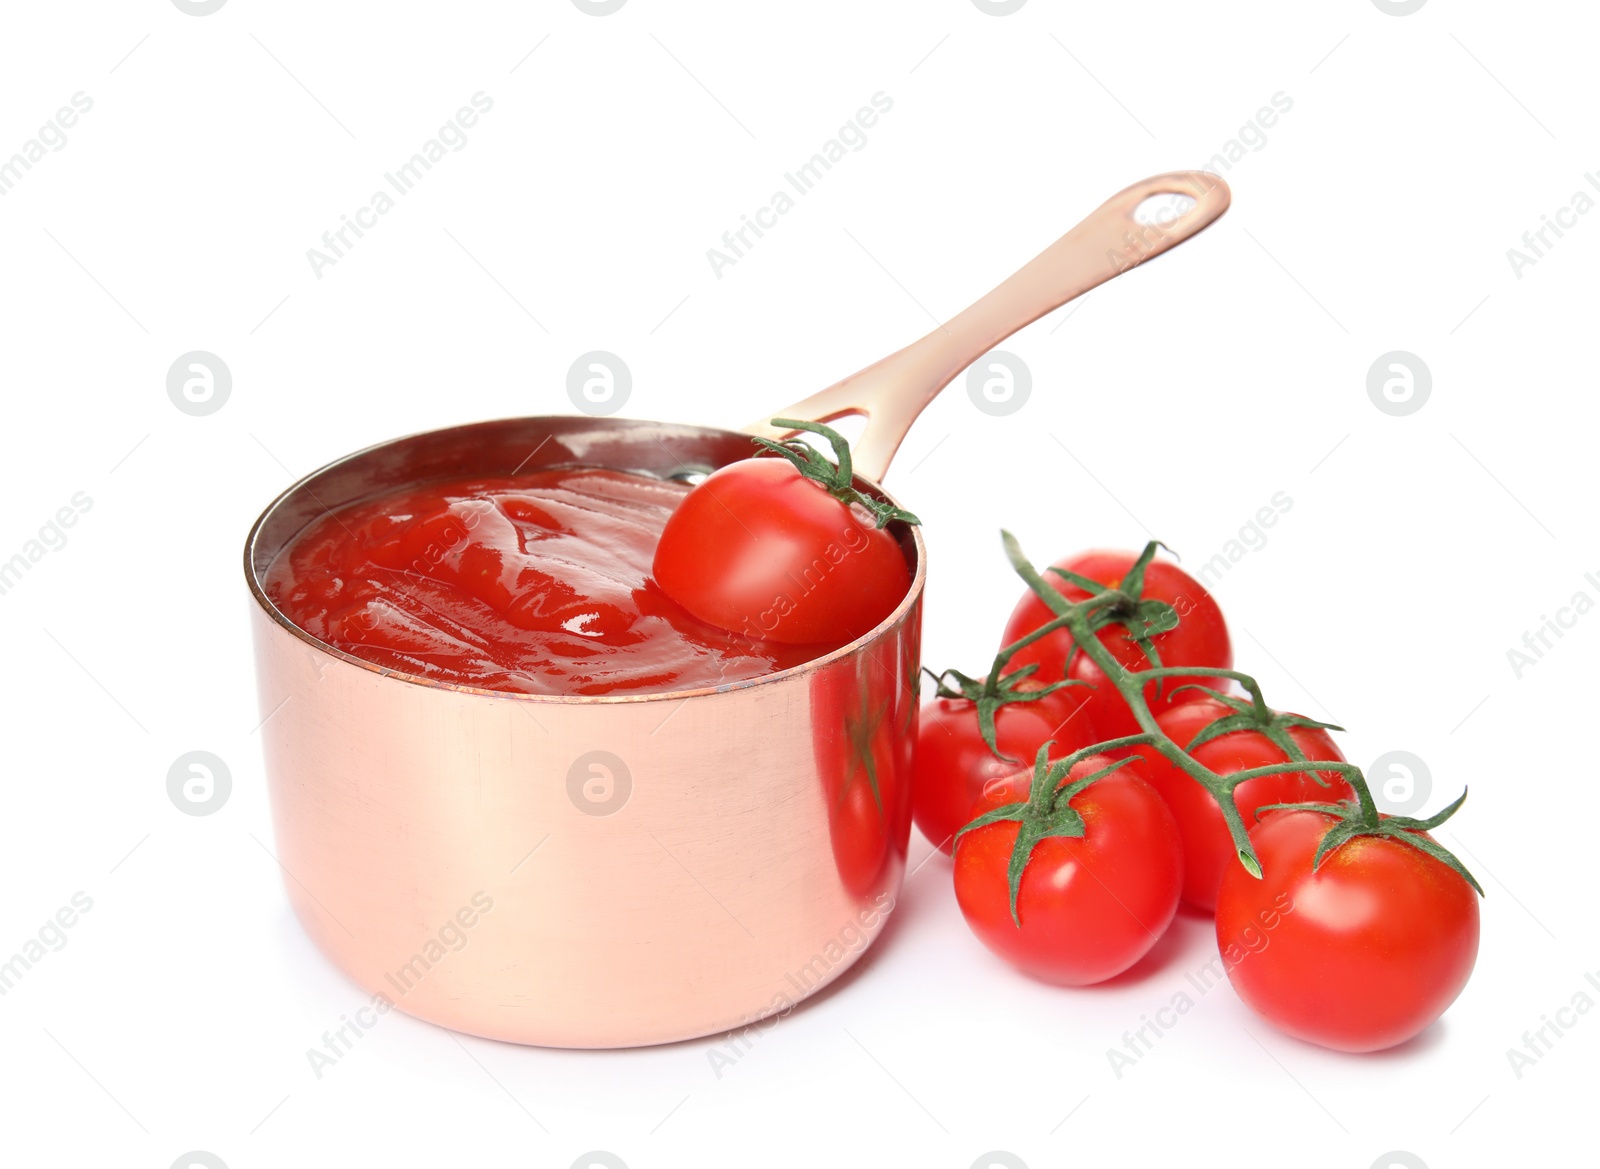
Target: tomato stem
[
  {"x": 989, "y": 693},
  {"x": 1143, "y": 619},
  {"x": 837, "y": 476}
]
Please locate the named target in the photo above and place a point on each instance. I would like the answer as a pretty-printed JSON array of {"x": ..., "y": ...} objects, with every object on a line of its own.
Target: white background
[{"x": 1171, "y": 403}]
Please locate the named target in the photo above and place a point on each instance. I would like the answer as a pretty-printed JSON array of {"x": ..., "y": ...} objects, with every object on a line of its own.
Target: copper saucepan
[{"x": 625, "y": 869}]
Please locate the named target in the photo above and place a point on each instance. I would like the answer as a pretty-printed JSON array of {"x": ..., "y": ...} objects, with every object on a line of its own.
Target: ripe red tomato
[
  {"x": 1200, "y": 639},
  {"x": 1360, "y": 955},
  {"x": 1208, "y": 850},
  {"x": 1090, "y": 906},
  {"x": 954, "y": 765},
  {"x": 763, "y": 550}
]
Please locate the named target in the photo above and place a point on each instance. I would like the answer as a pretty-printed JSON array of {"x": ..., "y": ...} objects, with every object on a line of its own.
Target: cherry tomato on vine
[
  {"x": 953, "y": 763},
  {"x": 785, "y": 549},
  {"x": 1087, "y": 906},
  {"x": 1208, "y": 850},
  {"x": 1200, "y": 638},
  {"x": 1361, "y": 954}
]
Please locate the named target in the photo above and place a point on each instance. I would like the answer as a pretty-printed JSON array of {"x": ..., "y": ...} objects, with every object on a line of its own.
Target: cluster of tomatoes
[
  {"x": 1073, "y": 846},
  {"x": 1110, "y": 764}
]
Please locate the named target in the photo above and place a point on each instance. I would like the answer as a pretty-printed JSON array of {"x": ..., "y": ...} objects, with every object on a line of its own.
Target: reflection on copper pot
[
  {"x": 627, "y": 869},
  {"x": 582, "y": 872}
]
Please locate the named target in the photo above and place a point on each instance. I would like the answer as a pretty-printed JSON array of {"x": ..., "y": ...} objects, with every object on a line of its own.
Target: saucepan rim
[{"x": 258, "y": 592}]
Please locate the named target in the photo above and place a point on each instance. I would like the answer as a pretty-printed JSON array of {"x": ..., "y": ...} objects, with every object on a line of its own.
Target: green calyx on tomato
[
  {"x": 786, "y": 550},
  {"x": 1048, "y": 810},
  {"x": 837, "y": 475},
  {"x": 1079, "y": 620},
  {"x": 1361, "y": 818},
  {"x": 1144, "y": 618},
  {"x": 989, "y": 693},
  {"x": 1255, "y": 715}
]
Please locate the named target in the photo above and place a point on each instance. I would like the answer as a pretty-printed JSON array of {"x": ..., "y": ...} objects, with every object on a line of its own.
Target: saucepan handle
[{"x": 891, "y": 393}]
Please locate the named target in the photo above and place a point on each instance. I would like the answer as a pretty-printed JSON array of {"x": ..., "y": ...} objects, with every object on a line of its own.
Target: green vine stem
[
  {"x": 989, "y": 693},
  {"x": 837, "y": 476},
  {"x": 1083, "y": 619}
]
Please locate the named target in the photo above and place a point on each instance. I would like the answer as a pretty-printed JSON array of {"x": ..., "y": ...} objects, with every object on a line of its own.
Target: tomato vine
[
  {"x": 1043, "y": 813},
  {"x": 989, "y": 693}
]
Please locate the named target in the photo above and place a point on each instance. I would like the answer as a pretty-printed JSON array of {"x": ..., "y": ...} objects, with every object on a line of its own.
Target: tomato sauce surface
[{"x": 534, "y": 584}]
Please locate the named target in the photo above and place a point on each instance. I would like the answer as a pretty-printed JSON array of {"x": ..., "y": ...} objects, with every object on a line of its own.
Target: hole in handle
[
  {"x": 1163, "y": 209},
  {"x": 852, "y": 425}
]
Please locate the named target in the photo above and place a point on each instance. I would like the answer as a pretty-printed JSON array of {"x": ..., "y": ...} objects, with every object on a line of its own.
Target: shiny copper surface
[
  {"x": 1113, "y": 239},
  {"x": 624, "y": 869},
  {"x": 655, "y": 866}
]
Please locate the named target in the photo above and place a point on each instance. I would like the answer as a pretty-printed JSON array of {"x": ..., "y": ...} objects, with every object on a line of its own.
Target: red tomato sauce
[{"x": 536, "y": 584}]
